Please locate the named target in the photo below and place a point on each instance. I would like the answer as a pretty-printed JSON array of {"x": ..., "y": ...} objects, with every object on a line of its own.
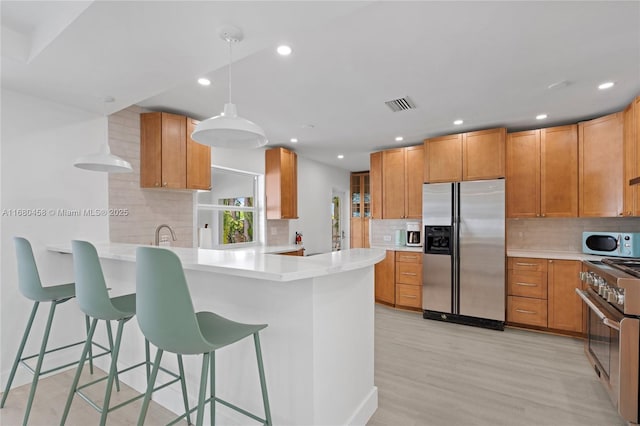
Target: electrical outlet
[{"x": 387, "y": 238}]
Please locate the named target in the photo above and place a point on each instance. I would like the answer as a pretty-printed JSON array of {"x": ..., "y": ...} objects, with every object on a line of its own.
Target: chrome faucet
[{"x": 173, "y": 234}]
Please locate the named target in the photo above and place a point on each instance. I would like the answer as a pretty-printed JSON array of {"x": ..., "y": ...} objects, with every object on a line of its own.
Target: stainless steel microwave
[{"x": 611, "y": 243}]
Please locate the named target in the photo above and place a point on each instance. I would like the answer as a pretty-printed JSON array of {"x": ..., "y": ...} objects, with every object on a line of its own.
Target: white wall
[
  {"x": 39, "y": 142},
  {"x": 316, "y": 182}
]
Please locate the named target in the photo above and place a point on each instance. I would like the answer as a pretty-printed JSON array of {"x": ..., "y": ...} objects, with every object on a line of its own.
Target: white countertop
[
  {"x": 560, "y": 255},
  {"x": 254, "y": 262},
  {"x": 398, "y": 248}
]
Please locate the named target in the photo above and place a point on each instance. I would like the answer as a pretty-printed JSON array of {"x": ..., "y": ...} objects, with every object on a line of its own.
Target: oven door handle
[{"x": 605, "y": 319}]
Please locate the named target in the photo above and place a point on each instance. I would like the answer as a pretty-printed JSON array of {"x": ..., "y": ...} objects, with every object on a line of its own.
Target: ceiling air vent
[{"x": 401, "y": 104}]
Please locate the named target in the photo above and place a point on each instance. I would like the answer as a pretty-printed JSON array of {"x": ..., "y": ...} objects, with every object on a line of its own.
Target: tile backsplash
[
  {"x": 561, "y": 234},
  {"x": 382, "y": 231},
  {"x": 147, "y": 208}
]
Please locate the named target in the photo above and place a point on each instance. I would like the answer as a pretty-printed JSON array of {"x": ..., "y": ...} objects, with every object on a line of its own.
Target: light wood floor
[{"x": 427, "y": 373}]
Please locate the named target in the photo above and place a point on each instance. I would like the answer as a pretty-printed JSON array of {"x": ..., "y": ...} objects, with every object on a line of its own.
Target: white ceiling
[{"x": 489, "y": 63}]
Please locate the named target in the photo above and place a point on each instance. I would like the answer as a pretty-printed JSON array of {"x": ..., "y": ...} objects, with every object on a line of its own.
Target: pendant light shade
[
  {"x": 228, "y": 130},
  {"x": 104, "y": 160}
]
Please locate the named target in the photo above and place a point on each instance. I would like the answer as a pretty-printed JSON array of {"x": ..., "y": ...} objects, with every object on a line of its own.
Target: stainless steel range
[{"x": 612, "y": 296}]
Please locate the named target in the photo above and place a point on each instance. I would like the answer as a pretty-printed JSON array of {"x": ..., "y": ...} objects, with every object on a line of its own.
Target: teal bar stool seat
[
  {"x": 162, "y": 288},
  {"x": 31, "y": 287},
  {"x": 94, "y": 301}
]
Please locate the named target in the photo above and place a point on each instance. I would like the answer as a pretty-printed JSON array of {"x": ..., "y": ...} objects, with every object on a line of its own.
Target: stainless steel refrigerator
[{"x": 464, "y": 252}]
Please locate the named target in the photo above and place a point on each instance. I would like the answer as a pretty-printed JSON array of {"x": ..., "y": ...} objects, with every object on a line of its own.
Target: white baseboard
[{"x": 365, "y": 410}]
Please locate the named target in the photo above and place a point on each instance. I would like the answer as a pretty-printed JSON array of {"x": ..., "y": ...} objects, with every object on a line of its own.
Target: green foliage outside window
[{"x": 237, "y": 225}]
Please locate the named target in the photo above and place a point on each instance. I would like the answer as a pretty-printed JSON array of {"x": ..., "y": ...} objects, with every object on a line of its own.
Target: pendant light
[
  {"x": 104, "y": 161},
  {"x": 228, "y": 130}
]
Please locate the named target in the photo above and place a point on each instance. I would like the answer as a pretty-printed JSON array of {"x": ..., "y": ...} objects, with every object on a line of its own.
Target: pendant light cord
[{"x": 230, "y": 62}]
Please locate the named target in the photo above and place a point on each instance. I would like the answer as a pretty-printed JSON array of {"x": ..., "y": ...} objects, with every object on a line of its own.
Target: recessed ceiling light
[
  {"x": 340, "y": 156},
  {"x": 293, "y": 140},
  {"x": 541, "y": 116},
  {"x": 399, "y": 138},
  {"x": 458, "y": 122},
  {"x": 284, "y": 50},
  {"x": 204, "y": 81},
  {"x": 607, "y": 85}
]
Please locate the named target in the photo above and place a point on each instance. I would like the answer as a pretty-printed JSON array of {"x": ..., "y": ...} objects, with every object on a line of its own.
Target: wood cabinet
[
  {"x": 402, "y": 178},
  {"x": 443, "y": 159},
  {"x": 408, "y": 279},
  {"x": 465, "y": 156},
  {"x": 483, "y": 154},
  {"x": 299, "y": 252},
  {"x": 631, "y": 149},
  {"x": 564, "y": 305},
  {"x": 527, "y": 291},
  {"x": 542, "y": 173},
  {"x": 198, "y": 170},
  {"x": 385, "y": 290},
  {"x": 168, "y": 157},
  {"x": 601, "y": 166},
  {"x": 541, "y": 293},
  {"x": 281, "y": 183},
  {"x": 360, "y": 209},
  {"x": 375, "y": 184}
]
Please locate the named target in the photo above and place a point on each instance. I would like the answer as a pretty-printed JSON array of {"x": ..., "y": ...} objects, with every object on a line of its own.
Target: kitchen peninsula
[{"x": 318, "y": 348}]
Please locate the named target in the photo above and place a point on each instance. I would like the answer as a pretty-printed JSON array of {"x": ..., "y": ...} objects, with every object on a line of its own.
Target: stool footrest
[
  {"x": 24, "y": 360},
  {"x": 223, "y": 402},
  {"x": 176, "y": 378}
]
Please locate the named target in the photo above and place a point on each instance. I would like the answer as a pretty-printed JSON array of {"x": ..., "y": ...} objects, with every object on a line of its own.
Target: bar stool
[
  {"x": 31, "y": 287},
  {"x": 94, "y": 301},
  {"x": 162, "y": 287}
]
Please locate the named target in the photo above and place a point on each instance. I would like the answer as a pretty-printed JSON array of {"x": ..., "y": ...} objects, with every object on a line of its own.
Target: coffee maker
[{"x": 413, "y": 234}]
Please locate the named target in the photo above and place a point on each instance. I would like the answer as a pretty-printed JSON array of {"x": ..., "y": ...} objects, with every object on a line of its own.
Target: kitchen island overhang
[{"x": 318, "y": 348}]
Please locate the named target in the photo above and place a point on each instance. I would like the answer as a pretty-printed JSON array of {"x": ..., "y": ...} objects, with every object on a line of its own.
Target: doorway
[{"x": 337, "y": 230}]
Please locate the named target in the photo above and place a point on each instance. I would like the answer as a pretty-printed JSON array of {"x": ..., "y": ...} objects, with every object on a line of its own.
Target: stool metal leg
[
  {"x": 27, "y": 330},
  {"x": 263, "y": 383},
  {"x": 147, "y": 357},
  {"x": 87, "y": 325},
  {"x": 76, "y": 378},
  {"x": 150, "y": 384},
  {"x": 183, "y": 384},
  {"x": 203, "y": 388},
  {"x": 110, "y": 338},
  {"x": 36, "y": 373},
  {"x": 113, "y": 371},
  {"x": 212, "y": 383}
]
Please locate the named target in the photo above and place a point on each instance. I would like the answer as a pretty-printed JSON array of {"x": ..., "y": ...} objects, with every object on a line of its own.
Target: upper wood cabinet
[
  {"x": 443, "y": 159},
  {"x": 402, "y": 178},
  {"x": 375, "y": 182},
  {"x": 198, "y": 170},
  {"x": 281, "y": 183},
  {"x": 542, "y": 173},
  {"x": 360, "y": 209},
  {"x": 601, "y": 166},
  {"x": 483, "y": 154},
  {"x": 466, "y": 156},
  {"x": 631, "y": 146},
  {"x": 168, "y": 156}
]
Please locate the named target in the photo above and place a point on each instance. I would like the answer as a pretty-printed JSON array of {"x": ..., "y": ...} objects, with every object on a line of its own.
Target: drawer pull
[
  {"x": 522, "y": 311},
  {"x": 409, "y": 296},
  {"x": 526, "y": 264},
  {"x": 527, "y": 284},
  {"x": 408, "y": 257},
  {"x": 413, "y": 274}
]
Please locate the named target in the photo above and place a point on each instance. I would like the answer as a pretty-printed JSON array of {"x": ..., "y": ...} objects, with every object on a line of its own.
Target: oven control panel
[{"x": 610, "y": 293}]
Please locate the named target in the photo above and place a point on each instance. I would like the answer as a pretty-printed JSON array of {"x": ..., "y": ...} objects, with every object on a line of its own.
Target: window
[{"x": 230, "y": 209}]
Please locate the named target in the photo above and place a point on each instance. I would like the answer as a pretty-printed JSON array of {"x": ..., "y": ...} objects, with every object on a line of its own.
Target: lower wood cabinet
[
  {"x": 299, "y": 252},
  {"x": 398, "y": 279},
  {"x": 541, "y": 293}
]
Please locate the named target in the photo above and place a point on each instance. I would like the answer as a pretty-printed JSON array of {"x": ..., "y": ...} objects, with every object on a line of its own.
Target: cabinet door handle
[
  {"x": 522, "y": 311},
  {"x": 413, "y": 274},
  {"x": 408, "y": 257},
  {"x": 164, "y": 184},
  {"x": 526, "y": 264},
  {"x": 527, "y": 284},
  {"x": 408, "y": 296}
]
